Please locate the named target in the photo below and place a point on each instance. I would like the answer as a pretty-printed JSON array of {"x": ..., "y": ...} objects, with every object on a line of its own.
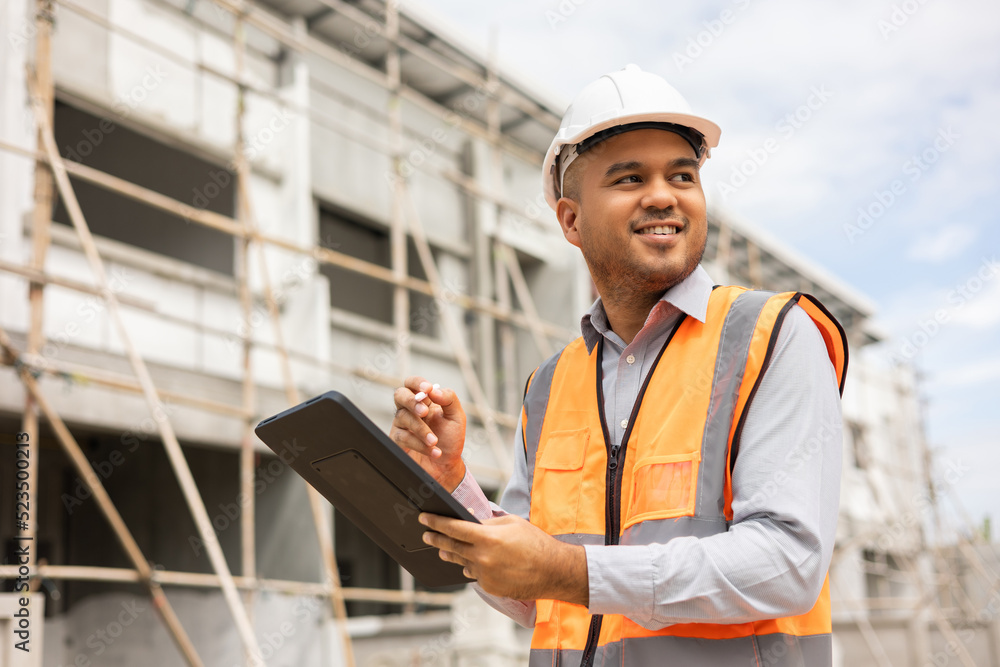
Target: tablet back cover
[{"x": 377, "y": 486}]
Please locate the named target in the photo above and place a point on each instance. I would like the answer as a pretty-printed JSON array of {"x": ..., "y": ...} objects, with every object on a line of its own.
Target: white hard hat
[{"x": 622, "y": 98}]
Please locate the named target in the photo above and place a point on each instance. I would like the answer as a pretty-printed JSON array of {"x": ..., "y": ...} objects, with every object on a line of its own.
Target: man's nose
[{"x": 658, "y": 194}]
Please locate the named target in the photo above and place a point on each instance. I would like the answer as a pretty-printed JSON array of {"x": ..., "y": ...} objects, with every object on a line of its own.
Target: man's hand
[
  {"x": 431, "y": 429},
  {"x": 512, "y": 558}
]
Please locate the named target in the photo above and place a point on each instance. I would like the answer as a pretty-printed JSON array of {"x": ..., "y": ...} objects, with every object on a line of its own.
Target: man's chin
[{"x": 661, "y": 281}]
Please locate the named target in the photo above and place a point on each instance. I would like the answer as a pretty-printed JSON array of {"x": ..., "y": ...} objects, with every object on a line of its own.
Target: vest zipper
[{"x": 613, "y": 492}]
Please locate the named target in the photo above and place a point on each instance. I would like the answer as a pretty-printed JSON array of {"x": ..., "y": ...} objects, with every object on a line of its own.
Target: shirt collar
[{"x": 690, "y": 296}]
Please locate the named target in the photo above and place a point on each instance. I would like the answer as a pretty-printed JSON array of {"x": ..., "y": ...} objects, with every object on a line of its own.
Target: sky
[{"x": 882, "y": 165}]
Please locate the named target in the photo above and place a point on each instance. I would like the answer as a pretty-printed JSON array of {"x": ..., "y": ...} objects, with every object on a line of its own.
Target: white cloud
[
  {"x": 937, "y": 247},
  {"x": 978, "y": 298},
  {"x": 978, "y": 372}
]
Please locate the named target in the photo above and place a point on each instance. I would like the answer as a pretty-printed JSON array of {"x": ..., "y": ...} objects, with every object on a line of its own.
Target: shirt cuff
[
  {"x": 621, "y": 580},
  {"x": 472, "y": 497}
]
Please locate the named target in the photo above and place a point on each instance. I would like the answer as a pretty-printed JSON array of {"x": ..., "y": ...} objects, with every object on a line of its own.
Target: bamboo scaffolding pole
[
  {"x": 508, "y": 356},
  {"x": 320, "y": 520},
  {"x": 248, "y": 533},
  {"x": 40, "y": 276},
  {"x": 398, "y": 242},
  {"x": 143, "y": 571},
  {"x": 398, "y": 245},
  {"x": 508, "y": 344},
  {"x": 504, "y": 270},
  {"x": 41, "y": 219},
  {"x": 202, "y": 580},
  {"x": 174, "y": 452},
  {"x": 525, "y": 298},
  {"x": 98, "y": 376},
  {"x": 320, "y": 254},
  {"x": 456, "y": 337}
]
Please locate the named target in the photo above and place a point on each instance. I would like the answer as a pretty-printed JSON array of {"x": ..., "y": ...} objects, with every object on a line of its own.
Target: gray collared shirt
[{"x": 786, "y": 486}]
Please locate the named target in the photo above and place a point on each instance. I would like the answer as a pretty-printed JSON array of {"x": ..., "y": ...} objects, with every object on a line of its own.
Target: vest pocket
[
  {"x": 555, "y": 493},
  {"x": 663, "y": 487}
]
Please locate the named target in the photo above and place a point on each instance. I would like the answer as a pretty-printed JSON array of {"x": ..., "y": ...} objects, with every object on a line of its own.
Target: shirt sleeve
[
  {"x": 516, "y": 498},
  {"x": 786, "y": 489}
]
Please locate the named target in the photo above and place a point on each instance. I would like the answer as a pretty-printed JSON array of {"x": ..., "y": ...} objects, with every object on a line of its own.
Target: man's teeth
[{"x": 658, "y": 230}]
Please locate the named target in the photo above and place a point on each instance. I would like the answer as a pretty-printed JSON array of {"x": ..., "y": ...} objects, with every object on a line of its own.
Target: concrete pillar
[{"x": 17, "y": 127}]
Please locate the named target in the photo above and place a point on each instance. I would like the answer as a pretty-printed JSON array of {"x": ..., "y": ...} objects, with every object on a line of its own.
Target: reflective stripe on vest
[{"x": 671, "y": 478}]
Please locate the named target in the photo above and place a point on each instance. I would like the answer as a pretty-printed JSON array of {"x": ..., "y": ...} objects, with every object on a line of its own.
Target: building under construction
[{"x": 211, "y": 210}]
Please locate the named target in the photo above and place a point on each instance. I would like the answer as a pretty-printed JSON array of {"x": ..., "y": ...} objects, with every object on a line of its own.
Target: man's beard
[{"x": 621, "y": 278}]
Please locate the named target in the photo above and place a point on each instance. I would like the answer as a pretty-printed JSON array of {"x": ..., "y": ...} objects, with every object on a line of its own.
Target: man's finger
[
  {"x": 463, "y": 531},
  {"x": 407, "y": 421},
  {"x": 406, "y": 398},
  {"x": 413, "y": 383},
  {"x": 407, "y": 441},
  {"x": 447, "y": 399},
  {"x": 445, "y": 543}
]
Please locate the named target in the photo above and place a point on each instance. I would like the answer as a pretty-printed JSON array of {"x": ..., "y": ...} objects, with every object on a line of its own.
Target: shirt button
[
  {"x": 624, "y": 423},
  {"x": 630, "y": 359}
]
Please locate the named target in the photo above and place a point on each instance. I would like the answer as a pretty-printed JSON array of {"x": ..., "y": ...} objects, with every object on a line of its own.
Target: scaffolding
[{"x": 52, "y": 174}]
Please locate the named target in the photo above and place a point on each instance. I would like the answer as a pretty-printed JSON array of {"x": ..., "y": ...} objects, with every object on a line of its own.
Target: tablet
[{"x": 369, "y": 478}]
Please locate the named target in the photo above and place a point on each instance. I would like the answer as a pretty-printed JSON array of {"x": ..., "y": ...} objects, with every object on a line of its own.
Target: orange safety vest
[{"x": 670, "y": 477}]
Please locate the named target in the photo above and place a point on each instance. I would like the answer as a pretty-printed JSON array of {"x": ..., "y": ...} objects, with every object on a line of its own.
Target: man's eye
[
  {"x": 629, "y": 179},
  {"x": 682, "y": 177}
]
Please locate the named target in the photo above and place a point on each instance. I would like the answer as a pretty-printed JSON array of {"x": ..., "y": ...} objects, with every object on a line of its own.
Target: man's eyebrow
[
  {"x": 686, "y": 162},
  {"x": 617, "y": 167},
  {"x": 629, "y": 165}
]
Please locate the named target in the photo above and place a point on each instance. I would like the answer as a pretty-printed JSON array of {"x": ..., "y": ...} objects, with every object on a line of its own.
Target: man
[{"x": 675, "y": 491}]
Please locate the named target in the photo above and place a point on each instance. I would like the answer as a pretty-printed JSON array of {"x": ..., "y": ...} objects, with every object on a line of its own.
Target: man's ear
[{"x": 568, "y": 213}]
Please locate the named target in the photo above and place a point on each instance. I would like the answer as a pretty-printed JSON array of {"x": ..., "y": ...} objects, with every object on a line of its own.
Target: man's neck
[{"x": 628, "y": 314}]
